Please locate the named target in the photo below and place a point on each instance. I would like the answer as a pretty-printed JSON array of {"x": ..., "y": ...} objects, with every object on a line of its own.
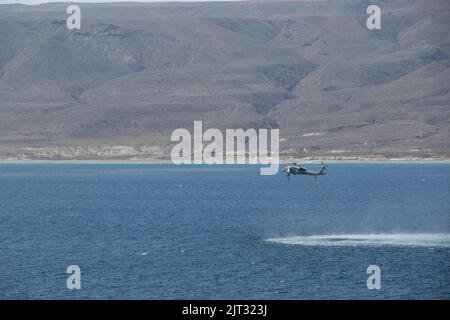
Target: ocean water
[{"x": 157, "y": 231}]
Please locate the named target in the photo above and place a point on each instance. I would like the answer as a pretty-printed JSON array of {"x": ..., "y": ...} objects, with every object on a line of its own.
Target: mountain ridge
[{"x": 117, "y": 88}]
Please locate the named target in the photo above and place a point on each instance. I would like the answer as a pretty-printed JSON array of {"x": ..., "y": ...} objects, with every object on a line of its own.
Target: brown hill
[{"x": 118, "y": 87}]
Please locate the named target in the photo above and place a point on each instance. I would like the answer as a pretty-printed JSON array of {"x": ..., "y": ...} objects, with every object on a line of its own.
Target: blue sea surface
[{"x": 158, "y": 231}]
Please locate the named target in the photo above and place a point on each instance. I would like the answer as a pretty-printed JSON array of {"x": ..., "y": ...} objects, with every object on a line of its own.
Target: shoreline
[{"x": 282, "y": 161}]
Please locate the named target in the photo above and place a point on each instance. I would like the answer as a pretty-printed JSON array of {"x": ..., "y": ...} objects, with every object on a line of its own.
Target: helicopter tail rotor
[{"x": 323, "y": 168}]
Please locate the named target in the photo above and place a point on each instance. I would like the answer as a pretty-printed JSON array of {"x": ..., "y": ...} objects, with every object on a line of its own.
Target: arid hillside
[{"x": 134, "y": 72}]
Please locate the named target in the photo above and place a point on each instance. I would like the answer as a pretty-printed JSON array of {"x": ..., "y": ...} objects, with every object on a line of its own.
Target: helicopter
[{"x": 297, "y": 168}]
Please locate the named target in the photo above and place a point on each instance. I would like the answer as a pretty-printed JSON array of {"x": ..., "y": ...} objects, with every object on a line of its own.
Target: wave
[{"x": 389, "y": 239}]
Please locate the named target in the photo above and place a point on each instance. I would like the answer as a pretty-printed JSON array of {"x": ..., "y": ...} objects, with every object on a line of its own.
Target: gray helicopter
[{"x": 297, "y": 168}]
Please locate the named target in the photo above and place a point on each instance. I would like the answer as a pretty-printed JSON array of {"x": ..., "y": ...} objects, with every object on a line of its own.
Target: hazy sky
[{"x": 96, "y": 1}]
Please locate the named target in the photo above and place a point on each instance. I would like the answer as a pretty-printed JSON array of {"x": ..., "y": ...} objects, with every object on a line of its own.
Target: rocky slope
[{"x": 118, "y": 87}]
